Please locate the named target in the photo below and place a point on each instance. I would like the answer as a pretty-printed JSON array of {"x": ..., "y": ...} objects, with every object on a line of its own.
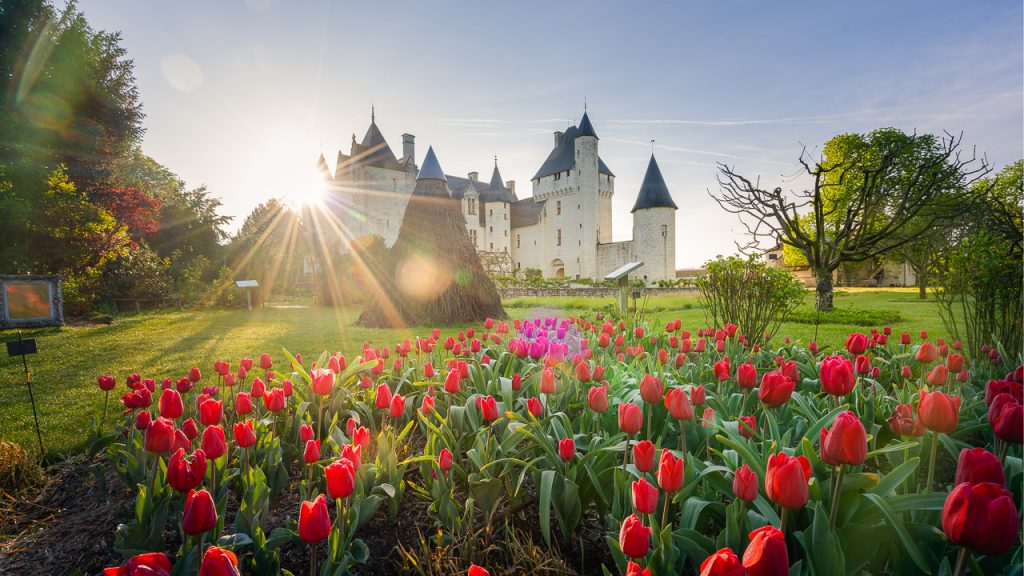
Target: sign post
[
  {"x": 23, "y": 348},
  {"x": 622, "y": 276},
  {"x": 248, "y": 285}
]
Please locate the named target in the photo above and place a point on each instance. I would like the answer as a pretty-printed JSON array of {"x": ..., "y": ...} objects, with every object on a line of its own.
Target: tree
[
  {"x": 866, "y": 191},
  {"x": 269, "y": 247}
]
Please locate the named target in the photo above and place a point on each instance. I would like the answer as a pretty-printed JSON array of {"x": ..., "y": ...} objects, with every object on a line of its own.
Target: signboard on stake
[
  {"x": 27, "y": 301},
  {"x": 248, "y": 285},
  {"x": 622, "y": 275},
  {"x": 23, "y": 348}
]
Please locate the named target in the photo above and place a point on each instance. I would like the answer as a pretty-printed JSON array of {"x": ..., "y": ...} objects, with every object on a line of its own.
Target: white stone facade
[{"x": 564, "y": 229}]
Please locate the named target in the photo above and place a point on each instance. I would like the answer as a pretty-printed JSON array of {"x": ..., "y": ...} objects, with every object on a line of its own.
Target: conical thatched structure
[{"x": 432, "y": 275}]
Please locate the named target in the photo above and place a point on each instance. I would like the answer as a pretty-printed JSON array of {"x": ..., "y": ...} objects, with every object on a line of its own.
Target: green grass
[{"x": 165, "y": 344}]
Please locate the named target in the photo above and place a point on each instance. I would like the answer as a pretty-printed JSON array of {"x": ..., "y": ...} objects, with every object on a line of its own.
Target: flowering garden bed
[{"x": 578, "y": 446}]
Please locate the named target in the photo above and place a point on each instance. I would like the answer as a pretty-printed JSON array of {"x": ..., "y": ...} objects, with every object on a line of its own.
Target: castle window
[
  {"x": 471, "y": 205},
  {"x": 519, "y": 241},
  {"x": 490, "y": 213},
  {"x": 559, "y": 239},
  {"x": 472, "y": 237},
  {"x": 664, "y": 230},
  {"x": 506, "y": 233},
  {"x": 558, "y": 207},
  {"x": 492, "y": 245},
  {"x": 491, "y": 229}
]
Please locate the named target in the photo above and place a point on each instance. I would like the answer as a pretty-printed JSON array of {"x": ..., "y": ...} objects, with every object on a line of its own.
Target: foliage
[
  {"x": 750, "y": 293},
  {"x": 139, "y": 273},
  {"x": 349, "y": 277},
  {"x": 271, "y": 247},
  {"x": 847, "y": 316},
  {"x": 871, "y": 194}
]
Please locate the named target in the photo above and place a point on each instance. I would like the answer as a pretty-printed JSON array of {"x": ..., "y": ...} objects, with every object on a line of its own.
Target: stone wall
[{"x": 588, "y": 292}]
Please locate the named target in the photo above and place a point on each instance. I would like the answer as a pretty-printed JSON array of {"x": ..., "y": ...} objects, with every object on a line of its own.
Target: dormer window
[{"x": 471, "y": 205}]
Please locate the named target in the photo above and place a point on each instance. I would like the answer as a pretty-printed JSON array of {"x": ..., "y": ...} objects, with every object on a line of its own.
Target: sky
[{"x": 244, "y": 95}]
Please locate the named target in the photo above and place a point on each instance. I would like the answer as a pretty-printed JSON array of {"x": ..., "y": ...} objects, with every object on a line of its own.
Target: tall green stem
[
  {"x": 931, "y": 461},
  {"x": 836, "y": 492},
  {"x": 961, "y": 562}
]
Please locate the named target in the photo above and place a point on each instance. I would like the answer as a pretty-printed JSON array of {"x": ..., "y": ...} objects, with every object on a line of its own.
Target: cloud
[{"x": 827, "y": 119}]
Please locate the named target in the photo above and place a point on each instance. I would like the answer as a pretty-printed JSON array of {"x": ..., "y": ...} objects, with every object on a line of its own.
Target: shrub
[{"x": 749, "y": 293}]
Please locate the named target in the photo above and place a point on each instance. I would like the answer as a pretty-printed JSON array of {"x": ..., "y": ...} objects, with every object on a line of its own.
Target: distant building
[
  {"x": 564, "y": 229},
  {"x": 874, "y": 272}
]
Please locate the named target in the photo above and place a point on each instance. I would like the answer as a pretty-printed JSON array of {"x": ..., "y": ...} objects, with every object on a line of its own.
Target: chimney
[
  {"x": 511, "y": 185},
  {"x": 473, "y": 176},
  {"x": 558, "y": 137},
  {"x": 409, "y": 147}
]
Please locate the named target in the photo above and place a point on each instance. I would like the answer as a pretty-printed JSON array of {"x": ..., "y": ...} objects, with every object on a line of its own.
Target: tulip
[
  {"x": 383, "y": 400},
  {"x": 1006, "y": 416},
  {"x": 634, "y": 537},
  {"x": 721, "y": 368},
  {"x": 306, "y": 433},
  {"x": 633, "y": 569},
  {"x": 159, "y": 435},
  {"x": 938, "y": 376},
  {"x": 445, "y": 460},
  {"x": 775, "y": 389},
  {"x": 836, "y": 376},
  {"x": 149, "y": 564},
  {"x": 650, "y": 389},
  {"x": 547, "y": 381},
  {"x": 766, "y": 554},
  {"x": 747, "y": 426},
  {"x": 244, "y": 434},
  {"x": 583, "y": 372},
  {"x": 534, "y": 407},
  {"x": 517, "y": 381},
  {"x": 981, "y": 517},
  {"x": 786, "y": 480},
  {"x": 643, "y": 455},
  {"x": 194, "y": 375},
  {"x": 314, "y": 521},
  {"x": 938, "y": 412},
  {"x": 397, "y": 407},
  {"x": 341, "y": 478},
  {"x": 219, "y": 562},
  {"x": 856, "y": 344},
  {"x": 722, "y": 563},
  {"x": 185, "y": 474},
  {"x": 361, "y": 437},
  {"x": 955, "y": 362},
  {"x": 243, "y": 403},
  {"x": 598, "y": 399},
  {"x": 322, "y": 381},
  {"x": 678, "y": 404},
  {"x": 863, "y": 365},
  {"x": 746, "y": 376},
  {"x": 488, "y": 408},
  {"x": 312, "y": 452},
  {"x": 428, "y": 404},
  {"x": 645, "y": 496},
  {"x": 190, "y": 429},
  {"x": 214, "y": 444},
  {"x": 352, "y": 453},
  {"x": 210, "y": 412},
  {"x": 180, "y": 441},
  {"x": 996, "y": 387},
  {"x": 979, "y": 465},
  {"x": 170, "y": 404},
  {"x": 452, "y": 382},
  {"x": 566, "y": 449},
  {"x": 142, "y": 420},
  {"x": 906, "y": 373},
  {"x": 903, "y": 422},
  {"x": 475, "y": 570},
  {"x": 745, "y": 484},
  {"x": 259, "y": 388},
  {"x": 200, "y": 513},
  {"x": 631, "y": 418},
  {"x": 927, "y": 353},
  {"x": 670, "y": 472},
  {"x": 697, "y": 395},
  {"x": 844, "y": 443}
]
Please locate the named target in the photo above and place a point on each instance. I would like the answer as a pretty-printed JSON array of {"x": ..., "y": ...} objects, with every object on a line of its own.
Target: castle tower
[
  {"x": 654, "y": 226},
  {"x": 587, "y": 198}
]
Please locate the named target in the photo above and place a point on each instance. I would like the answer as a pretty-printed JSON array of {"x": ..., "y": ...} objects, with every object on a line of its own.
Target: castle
[{"x": 564, "y": 229}]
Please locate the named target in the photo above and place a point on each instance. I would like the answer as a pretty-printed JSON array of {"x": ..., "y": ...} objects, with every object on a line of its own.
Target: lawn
[{"x": 165, "y": 344}]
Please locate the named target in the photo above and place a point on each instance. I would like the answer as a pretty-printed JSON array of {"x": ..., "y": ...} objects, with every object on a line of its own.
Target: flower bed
[{"x": 691, "y": 452}]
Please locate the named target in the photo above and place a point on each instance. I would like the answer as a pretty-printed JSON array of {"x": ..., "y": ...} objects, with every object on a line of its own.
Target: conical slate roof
[
  {"x": 496, "y": 192},
  {"x": 431, "y": 168},
  {"x": 653, "y": 192},
  {"x": 586, "y": 128},
  {"x": 374, "y": 149}
]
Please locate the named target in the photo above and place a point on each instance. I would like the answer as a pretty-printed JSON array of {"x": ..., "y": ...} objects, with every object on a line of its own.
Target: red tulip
[
  {"x": 194, "y": 375},
  {"x": 856, "y": 344},
  {"x": 428, "y": 404},
  {"x": 259, "y": 388},
  {"x": 200, "y": 513},
  {"x": 721, "y": 369},
  {"x": 142, "y": 420},
  {"x": 244, "y": 434},
  {"x": 383, "y": 400},
  {"x": 488, "y": 408},
  {"x": 517, "y": 381},
  {"x": 633, "y": 569},
  {"x": 938, "y": 412},
  {"x": 598, "y": 399},
  {"x": 981, "y": 517},
  {"x": 938, "y": 376},
  {"x": 361, "y": 437},
  {"x": 634, "y": 537},
  {"x": 475, "y": 570},
  {"x": 149, "y": 564},
  {"x": 445, "y": 460},
  {"x": 314, "y": 521},
  {"x": 452, "y": 382},
  {"x": 927, "y": 353},
  {"x": 219, "y": 562},
  {"x": 746, "y": 376},
  {"x": 979, "y": 465},
  {"x": 566, "y": 449},
  {"x": 645, "y": 496},
  {"x": 243, "y": 403},
  {"x": 996, "y": 387},
  {"x": 775, "y": 389},
  {"x": 210, "y": 412},
  {"x": 670, "y": 472},
  {"x": 845, "y": 443},
  {"x": 190, "y": 429},
  {"x": 697, "y": 395},
  {"x": 955, "y": 362},
  {"x": 643, "y": 455},
  {"x": 1006, "y": 416},
  {"x": 106, "y": 382},
  {"x": 341, "y": 478},
  {"x": 214, "y": 443},
  {"x": 306, "y": 433},
  {"x": 534, "y": 407},
  {"x": 836, "y": 375},
  {"x": 183, "y": 473},
  {"x": 747, "y": 426},
  {"x": 322, "y": 381},
  {"x": 786, "y": 480},
  {"x": 312, "y": 452},
  {"x": 547, "y": 381},
  {"x": 722, "y": 563},
  {"x": 766, "y": 554},
  {"x": 863, "y": 365},
  {"x": 650, "y": 389},
  {"x": 745, "y": 484},
  {"x": 678, "y": 404},
  {"x": 352, "y": 453},
  {"x": 583, "y": 371},
  {"x": 397, "y": 407},
  {"x": 903, "y": 422},
  {"x": 170, "y": 404},
  {"x": 631, "y": 418},
  {"x": 159, "y": 435}
]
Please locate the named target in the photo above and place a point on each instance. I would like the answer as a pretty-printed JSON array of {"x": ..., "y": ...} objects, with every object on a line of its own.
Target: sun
[{"x": 306, "y": 188}]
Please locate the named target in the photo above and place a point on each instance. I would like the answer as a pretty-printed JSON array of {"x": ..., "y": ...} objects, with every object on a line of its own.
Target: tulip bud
[
  {"x": 786, "y": 480},
  {"x": 445, "y": 460},
  {"x": 341, "y": 478},
  {"x": 631, "y": 418},
  {"x": 535, "y": 408},
  {"x": 746, "y": 376},
  {"x": 314, "y": 521},
  {"x": 670, "y": 472},
  {"x": 938, "y": 412},
  {"x": 979, "y": 465},
  {"x": 645, "y": 496},
  {"x": 744, "y": 484},
  {"x": 766, "y": 554},
  {"x": 845, "y": 443},
  {"x": 397, "y": 406},
  {"x": 747, "y": 426},
  {"x": 200, "y": 513},
  {"x": 634, "y": 537},
  {"x": 244, "y": 434},
  {"x": 566, "y": 449},
  {"x": 722, "y": 563},
  {"x": 981, "y": 517},
  {"x": 218, "y": 562},
  {"x": 678, "y": 404},
  {"x": 775, "y": 389}
]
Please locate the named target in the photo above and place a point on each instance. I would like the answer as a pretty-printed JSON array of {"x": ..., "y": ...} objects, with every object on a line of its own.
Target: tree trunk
[
  {"x": 823, "y": 301},
  {"x": 922, "y": 290}
]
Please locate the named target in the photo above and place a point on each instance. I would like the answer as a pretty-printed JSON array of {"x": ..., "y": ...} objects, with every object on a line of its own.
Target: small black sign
[{"x": 21, "y": 347}]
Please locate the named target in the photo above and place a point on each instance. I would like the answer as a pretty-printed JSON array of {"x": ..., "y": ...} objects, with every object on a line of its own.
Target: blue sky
[{"x": 244, "y": 95}]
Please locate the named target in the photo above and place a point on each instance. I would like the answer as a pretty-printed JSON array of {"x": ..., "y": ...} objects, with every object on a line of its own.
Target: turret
[{"x": 654, "y": 225}]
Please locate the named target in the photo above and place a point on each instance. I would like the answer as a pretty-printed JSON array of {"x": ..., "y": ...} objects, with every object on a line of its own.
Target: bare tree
[{"x": 862, "y": 202}]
